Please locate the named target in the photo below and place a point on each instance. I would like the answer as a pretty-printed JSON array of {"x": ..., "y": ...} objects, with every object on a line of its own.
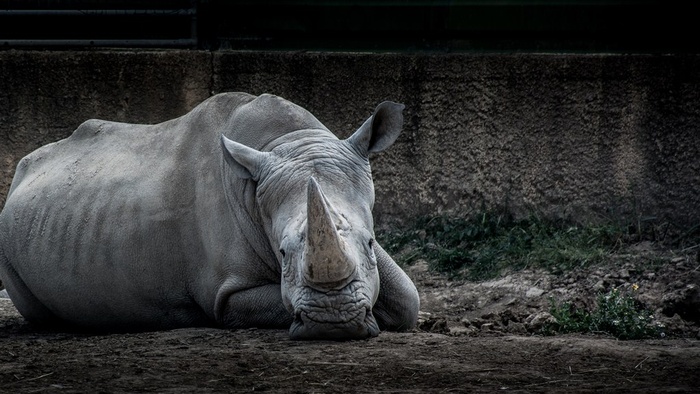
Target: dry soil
[{"x": 472, "y": 337}]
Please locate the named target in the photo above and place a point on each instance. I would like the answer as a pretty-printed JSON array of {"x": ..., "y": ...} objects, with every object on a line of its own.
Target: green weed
[
  {"x": 484, "y": 245},
  {"x": 617, "y": 313}
]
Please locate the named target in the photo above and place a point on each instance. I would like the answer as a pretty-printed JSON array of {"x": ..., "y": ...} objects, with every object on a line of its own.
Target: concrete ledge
[{"x": 585, "y": 137}]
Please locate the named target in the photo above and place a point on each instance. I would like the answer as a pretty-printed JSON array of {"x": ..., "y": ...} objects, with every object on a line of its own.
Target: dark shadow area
[{"x": 621, "y": 26}]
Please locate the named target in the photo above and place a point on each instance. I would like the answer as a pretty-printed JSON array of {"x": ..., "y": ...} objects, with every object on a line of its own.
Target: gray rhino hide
[{"x": 140, "y": 227}]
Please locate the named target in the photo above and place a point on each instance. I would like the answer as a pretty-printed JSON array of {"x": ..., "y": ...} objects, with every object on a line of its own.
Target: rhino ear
[
  {"x": 381, "y": 129},
  {"x": 245, "y": 162}
]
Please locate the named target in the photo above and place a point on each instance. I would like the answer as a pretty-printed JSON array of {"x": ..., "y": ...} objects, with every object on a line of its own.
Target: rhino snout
[
  {"x": 315, "y": 325},
  {"x": 337, "y": 315}
]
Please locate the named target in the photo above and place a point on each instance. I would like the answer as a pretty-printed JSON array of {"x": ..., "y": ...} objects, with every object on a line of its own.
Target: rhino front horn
[{"x": 326, "y": 266}]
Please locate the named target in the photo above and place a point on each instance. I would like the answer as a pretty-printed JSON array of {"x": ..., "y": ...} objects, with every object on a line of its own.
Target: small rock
[
  {"x": 424, "y": 314},
  {"x": 536, "y": 321},
  {"x": 684, "y": 302},
  {"x": 599, "y": 285},
  {"x": 508, "y": 316},
  {"x": 516, "y": 328},
  {"x": 534, "y": 292},
  {"x": 475, "y": 322},
  {"x": 458, "y": 331},
  {"x": 489, "y": 316},
  {"x": 434, "y": 325}
]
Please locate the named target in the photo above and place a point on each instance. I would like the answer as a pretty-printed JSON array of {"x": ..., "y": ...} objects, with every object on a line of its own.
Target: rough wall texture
[
  {"x": 585, "y": 137},
  {"x": 44, "y": 96}
]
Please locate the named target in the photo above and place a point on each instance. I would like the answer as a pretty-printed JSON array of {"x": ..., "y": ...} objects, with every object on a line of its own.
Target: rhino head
[{"x": 315, "y": 195}]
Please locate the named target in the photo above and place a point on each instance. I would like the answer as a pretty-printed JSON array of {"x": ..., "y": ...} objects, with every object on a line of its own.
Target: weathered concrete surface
[
  {"x": 577, "y": 136},
  {"x": 44, "y": 96}
]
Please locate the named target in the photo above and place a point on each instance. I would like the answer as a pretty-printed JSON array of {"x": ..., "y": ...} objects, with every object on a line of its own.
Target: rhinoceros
[{"x": 245, "y": 212}]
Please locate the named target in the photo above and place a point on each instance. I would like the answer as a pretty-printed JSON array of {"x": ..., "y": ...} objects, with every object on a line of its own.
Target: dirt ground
[{"x": 472, "y": 337}]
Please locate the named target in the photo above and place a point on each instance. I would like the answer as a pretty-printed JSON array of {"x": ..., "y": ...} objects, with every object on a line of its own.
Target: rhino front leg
[
  {"x": 260, "y": 307},
  {"x": 398, "y": 303}
]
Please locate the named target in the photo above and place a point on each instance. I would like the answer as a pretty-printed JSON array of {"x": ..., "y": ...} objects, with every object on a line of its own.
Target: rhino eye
[
  {"x": 372, "y": 256},
  {"x": 282, "y": 252}
]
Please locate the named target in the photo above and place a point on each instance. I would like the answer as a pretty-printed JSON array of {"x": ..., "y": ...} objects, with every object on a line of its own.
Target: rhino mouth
[{"x": 339, "y": 316}]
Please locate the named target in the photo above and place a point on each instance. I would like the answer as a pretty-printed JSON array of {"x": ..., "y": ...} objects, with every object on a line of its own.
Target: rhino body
[{"x": 245, "y": 212}]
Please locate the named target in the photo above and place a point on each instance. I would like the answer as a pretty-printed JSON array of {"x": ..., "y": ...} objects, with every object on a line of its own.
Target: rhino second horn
[{"x": 327, "y": 266}]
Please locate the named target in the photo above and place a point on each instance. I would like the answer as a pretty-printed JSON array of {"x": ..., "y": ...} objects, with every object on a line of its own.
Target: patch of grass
[
  {"x": 616, "y": 313},
  {"x": 482, "y": 246},
  {"x": 569, "y": 319}
]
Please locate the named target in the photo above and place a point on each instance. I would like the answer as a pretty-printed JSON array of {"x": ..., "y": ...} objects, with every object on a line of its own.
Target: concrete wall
[{"x": 585, "y": 137}]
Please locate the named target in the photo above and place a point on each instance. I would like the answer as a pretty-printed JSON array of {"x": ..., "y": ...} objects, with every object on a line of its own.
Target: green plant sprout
[{"x": 616, "y": 313}]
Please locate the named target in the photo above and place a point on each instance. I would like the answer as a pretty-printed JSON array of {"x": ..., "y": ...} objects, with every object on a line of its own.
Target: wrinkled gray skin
[{"x": 246, "y": 212}]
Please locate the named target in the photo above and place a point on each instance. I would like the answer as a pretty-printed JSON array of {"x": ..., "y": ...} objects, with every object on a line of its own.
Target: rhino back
[{"x": 111, "y": 218}]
